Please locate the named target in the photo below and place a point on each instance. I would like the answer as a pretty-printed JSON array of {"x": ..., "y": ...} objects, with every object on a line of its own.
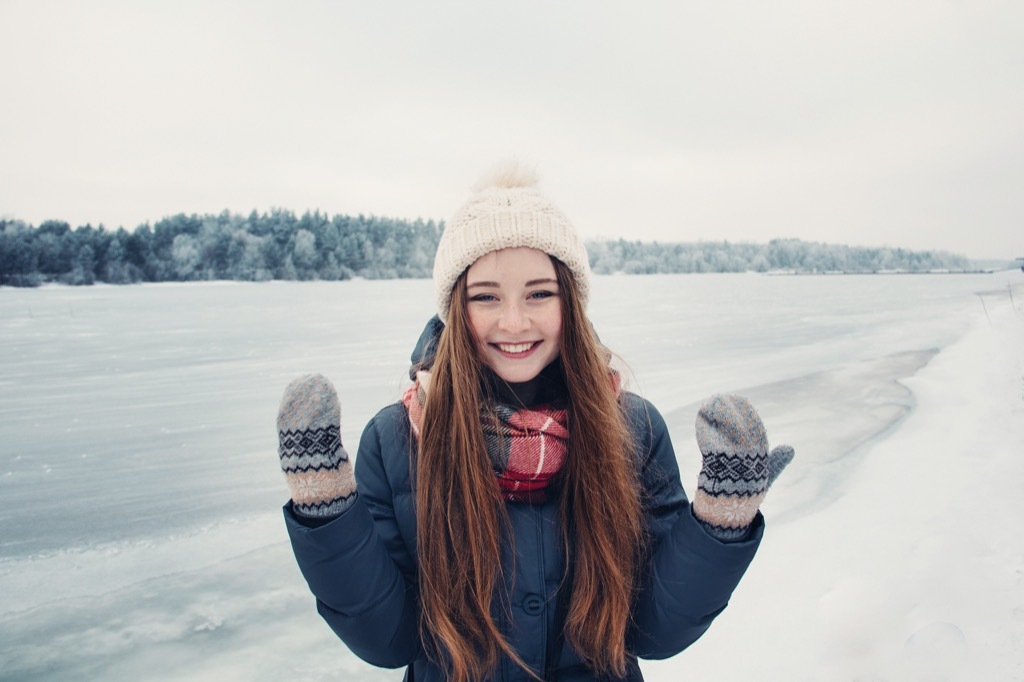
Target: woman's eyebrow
[{"x": 531, "y": 283}]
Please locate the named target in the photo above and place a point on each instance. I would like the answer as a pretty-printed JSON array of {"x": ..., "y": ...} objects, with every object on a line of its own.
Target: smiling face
[{"x": 515, "y": 311}]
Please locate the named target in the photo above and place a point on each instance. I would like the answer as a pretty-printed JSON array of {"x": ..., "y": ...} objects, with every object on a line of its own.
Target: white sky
[{"x": 868, "y": 123}]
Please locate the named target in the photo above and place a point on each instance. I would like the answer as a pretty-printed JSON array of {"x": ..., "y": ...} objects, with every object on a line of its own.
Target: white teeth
[{"x": 514, "y": 347}]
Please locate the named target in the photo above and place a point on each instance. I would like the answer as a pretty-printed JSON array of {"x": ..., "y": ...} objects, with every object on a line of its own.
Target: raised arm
[
  {"x": 691, "y": 573},
  {"x": 360, "y": 590}
]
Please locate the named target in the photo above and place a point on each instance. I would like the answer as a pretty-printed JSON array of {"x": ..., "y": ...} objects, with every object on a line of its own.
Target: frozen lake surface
[{"x": 140, "y": 529}]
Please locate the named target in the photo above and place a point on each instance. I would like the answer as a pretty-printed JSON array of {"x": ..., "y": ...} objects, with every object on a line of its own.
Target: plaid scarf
[{"x": 527, "y": 447}]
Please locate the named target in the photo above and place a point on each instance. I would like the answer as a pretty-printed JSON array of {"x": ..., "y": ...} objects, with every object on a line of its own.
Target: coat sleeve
[
  {"x": 689, "y": 576},
  {"x": 360, "y": 589}
]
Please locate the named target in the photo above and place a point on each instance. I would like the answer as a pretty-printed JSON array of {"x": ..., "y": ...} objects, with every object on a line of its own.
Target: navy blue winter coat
[{"x": 362, "y": 566}]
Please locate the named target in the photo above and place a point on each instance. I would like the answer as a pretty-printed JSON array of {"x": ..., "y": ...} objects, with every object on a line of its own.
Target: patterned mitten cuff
[
  {"x": 737, "y": 468},
  {"x": 314, "y": 462}
]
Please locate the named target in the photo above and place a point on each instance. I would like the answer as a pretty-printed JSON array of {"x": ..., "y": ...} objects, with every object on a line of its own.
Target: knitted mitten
[
  {"x": 737, "y": 469},
  {"x": 314, "y": 462}
]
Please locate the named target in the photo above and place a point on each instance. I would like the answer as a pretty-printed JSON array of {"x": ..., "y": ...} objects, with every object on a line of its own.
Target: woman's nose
[{"x": 513, "y": 319}]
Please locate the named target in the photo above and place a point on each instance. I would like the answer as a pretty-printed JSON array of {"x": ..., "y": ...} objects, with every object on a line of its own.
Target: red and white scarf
[{"x": 527, "y": 447}]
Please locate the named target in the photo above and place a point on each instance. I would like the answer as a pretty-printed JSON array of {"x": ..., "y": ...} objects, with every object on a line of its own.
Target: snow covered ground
[
  {"x": 140, "y": 532},
  {"x": 912, "y": 567}
]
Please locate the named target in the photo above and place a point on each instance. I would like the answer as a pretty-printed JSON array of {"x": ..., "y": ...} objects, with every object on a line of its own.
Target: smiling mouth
[{"x": 516, "y": 348}]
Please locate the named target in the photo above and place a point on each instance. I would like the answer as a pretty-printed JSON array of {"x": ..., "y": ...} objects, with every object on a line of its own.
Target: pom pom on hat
[
  {"x": 506, "y": 211},
  {"x": 512, "y": 173}
]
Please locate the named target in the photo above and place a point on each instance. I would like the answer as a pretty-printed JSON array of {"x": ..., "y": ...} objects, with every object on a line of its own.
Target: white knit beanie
[{"x": 506, "y": 210}]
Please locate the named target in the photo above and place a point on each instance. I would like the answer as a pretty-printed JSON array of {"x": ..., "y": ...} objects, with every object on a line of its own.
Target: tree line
[
  {"x": 183, "y": 248},
  {"x": 789, "y": 255},
  {"x": 279, "y": 245}
]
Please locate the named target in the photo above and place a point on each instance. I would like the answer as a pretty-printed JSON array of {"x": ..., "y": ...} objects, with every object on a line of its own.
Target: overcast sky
[{"x": 867, "y": 123}]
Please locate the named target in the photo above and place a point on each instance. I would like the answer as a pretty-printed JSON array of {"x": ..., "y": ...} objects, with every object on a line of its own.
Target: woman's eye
[
  {"x": 484, "y": 298},
  {"x": 540, "y": 295}
]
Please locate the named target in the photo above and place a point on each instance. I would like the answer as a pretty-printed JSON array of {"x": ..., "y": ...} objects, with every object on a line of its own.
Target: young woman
[{"x": 518, "y": 515}]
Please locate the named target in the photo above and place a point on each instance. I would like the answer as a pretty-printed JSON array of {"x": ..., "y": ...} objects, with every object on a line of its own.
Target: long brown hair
[{"x": 461, "y": 516}]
